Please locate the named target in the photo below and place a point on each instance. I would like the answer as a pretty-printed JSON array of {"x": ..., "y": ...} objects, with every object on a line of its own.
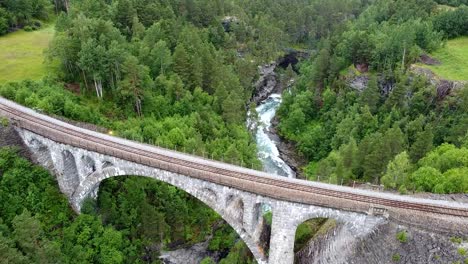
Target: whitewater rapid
[{"x": 267, "y": 150}]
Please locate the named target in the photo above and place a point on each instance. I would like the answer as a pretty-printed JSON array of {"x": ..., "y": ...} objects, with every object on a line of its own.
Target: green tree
[
  {"x": 136, "y": 79},
  {"x": 422, "y": 145},
  {"x": 426, "y": 178},
  {"x": 9, "y": 253},
  {"x": 161, "y": 58},
  {"x": 398, "y": 171},
  {"x": 182, "y": 65},
  {"x": 371, "y": 95}
]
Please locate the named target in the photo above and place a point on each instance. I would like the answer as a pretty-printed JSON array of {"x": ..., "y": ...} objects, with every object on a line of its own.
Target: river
[{"x": 266, "y": 147}]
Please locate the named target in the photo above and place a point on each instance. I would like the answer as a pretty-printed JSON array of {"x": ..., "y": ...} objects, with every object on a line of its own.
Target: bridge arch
[{"x": 210, "y": 194}]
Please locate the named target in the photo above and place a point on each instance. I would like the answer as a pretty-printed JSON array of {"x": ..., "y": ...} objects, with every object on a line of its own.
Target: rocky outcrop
[
  {"x": 228, "y": 21},
  {"x": 421, "y": 247},
  {"x": 267, "y": 83},
  {"x": 192, "y": 255},
  {"x": 382, "y": 246},
  {"x": 358, "y": 82},
  {"x": 444, "y": 87}
]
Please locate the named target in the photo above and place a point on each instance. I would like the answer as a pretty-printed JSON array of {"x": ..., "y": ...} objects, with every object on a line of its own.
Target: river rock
[{"x": 267, "y": 83}]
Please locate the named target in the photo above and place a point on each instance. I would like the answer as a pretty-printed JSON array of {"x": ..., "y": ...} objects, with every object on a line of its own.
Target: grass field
[
  {"x": 22, "y": 55},
  {"x": 454, "y": 59}
]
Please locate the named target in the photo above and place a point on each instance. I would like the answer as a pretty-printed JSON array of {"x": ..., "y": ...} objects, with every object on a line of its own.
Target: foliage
[
  {"x": 456, "y": 240},
  {"x": 4, "y": 121},
  {"x": 238, "y": 255},
  {"x": 452, "y": 22},
  {"x": 306, "y": 231},
  {"x": 462, "y": 251},
  {"x": 349, "y": 133},
  {"x": 397, "y": 171},
  {"x": 402, "y": 236},
  {"x": 37, "y": 219},
  {"x": 207, "y": 260},
  {"x": 22, "y": 13},
  {"x": 396, "y": 257},
  {"x": 224, "y": 238}
]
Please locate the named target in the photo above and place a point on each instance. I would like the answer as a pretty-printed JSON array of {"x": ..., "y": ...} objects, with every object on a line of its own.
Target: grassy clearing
[
  {"x": 22, "y": 55},
  {"x": 454, "y": 59}
]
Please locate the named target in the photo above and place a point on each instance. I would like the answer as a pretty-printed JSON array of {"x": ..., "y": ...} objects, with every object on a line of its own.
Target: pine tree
[
  {"x": 422, "y": 145},
  {"x": 371, "y": 95},
  {"x": 182, "y": 64}
]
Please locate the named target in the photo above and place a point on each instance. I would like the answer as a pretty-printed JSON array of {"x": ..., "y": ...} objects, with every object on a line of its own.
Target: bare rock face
[
  {"x": 383, "y": 246},
  {"x": 191, "y": 255},
  {"x": 444, "y": 87},
  {"x": 428, "y": 60},
  {"x": 267, "y": 83},
  {"x": 421, "y": 247},
  {"x": 359, "y": 82}
]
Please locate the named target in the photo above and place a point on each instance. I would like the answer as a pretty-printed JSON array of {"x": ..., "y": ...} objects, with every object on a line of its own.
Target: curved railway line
[{"x": 195, "y": 166}]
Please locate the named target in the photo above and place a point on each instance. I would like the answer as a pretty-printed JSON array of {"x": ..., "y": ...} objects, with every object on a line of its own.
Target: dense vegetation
[
  {"x": 176, "y": 74},
  {"x": 27, "y": 14},
  {"x": 385, "y": 132},
  {"x": 38, "y": 226},
  {"x": 179, "y": 74}
]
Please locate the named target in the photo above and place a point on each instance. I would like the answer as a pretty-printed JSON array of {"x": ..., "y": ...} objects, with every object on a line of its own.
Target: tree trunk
[
  {"x": 67, "y": 5},
  {"x": 100, "y": 88},
  {"x": 85, "y": 80},
  {"x": 96, "y": 87},
  {"x": 138, "y": 106},
  {"x": 56, "y": 6}
]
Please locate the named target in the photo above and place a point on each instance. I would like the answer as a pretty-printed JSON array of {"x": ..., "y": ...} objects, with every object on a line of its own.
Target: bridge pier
[{"x": 283, "y": 232}]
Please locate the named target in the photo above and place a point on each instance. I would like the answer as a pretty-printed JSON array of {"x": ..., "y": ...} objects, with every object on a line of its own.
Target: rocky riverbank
[{"x": 287, "y": 150}]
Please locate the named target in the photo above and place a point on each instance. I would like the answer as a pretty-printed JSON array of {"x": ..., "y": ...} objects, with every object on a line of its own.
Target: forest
[
  {"x": 179, "y": 74},
  {"x": 400, "y": 131}
]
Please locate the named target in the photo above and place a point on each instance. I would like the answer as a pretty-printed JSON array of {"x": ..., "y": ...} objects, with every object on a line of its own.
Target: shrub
[
  {"x": 4, "y": 122},
  {"x": 207, "y": 260},
  {"x": 462, "y": 251},
  {"x": 402, "y": 236},
  {"x": 402, "y": 190},
  {"x": 456, "y": 240},
  {"x": 28, "y": 28},
  {"x": 396, "y": 257}
]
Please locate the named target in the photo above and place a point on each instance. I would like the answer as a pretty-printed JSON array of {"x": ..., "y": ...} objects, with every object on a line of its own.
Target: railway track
[{"x": 155, "y": 157}]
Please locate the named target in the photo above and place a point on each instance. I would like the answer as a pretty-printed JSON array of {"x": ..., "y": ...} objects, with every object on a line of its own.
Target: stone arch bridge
[{"x": 81, "y": 159}]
